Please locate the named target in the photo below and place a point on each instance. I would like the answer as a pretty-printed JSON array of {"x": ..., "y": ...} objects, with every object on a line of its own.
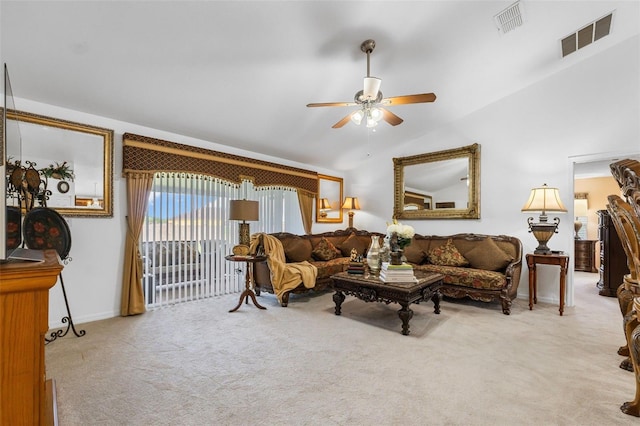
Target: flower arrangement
[{"x": 404, "y": 233}]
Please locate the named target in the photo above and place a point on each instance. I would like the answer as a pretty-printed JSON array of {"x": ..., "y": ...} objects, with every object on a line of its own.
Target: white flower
[{"x": 403, "y": 231}]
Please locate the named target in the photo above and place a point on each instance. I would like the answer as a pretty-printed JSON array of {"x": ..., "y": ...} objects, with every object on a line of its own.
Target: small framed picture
[{"x": 63, "y": 187}]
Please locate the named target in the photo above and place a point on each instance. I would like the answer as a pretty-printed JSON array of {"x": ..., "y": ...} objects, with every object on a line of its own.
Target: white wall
[
  {"x": 526, "y": 139},
  {"x": 94, "y": 275}
]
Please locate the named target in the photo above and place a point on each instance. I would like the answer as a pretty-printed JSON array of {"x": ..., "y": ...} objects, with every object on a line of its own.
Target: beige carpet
[{"x": 197, "y": 364}]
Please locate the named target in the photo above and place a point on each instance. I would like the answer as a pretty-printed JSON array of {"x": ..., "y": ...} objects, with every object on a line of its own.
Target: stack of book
[
  {"x": 355, "y": 267},
  {"x": 396, "y": 273}
]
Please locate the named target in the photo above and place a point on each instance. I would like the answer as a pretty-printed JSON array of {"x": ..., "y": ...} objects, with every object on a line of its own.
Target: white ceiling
[{"x": 241, "y": 73}]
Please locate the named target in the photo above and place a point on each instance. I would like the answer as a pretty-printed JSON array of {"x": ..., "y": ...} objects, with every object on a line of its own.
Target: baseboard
[{"x": 83, "y": 318}]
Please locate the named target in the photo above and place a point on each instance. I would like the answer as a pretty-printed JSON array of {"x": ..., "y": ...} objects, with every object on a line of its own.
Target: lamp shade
[
  {"x": 351, "y": 203},
  {"x": 580, "y": 207},
  {"x": 544, "y": 199},
  {"x": 324, "y": 204},
  {"x": 243, "y": 210}
]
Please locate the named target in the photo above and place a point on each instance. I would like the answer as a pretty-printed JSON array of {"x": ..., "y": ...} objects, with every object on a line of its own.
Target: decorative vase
[{"x": 373, "y": 255}]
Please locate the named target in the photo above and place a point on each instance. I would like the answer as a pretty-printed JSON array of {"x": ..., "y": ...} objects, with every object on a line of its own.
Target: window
[{"x": 187, "y": 234}]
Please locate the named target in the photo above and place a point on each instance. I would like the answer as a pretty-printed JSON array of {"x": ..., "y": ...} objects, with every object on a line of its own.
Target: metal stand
[{"x": 65, "y": 320}]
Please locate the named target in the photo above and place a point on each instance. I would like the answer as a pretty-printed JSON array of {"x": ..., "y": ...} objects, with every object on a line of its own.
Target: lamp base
[
  {"x": 245, "y": 238},
  {"x": 351, "y": 219},
  {"x": 577, "y": 225},
  {"x": 543, "y": 232}
]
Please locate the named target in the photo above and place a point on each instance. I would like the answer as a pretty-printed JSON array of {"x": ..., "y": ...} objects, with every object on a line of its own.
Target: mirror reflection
[
  {"x": 329, "y": 199},
  {"x": 438, "y": 185},
  {"x": 74, "y": 160}
]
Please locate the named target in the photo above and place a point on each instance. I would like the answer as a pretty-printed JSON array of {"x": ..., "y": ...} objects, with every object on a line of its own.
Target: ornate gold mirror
[
  {"x": 329, "y": 199},
  {"x": 77, "y": 162},
  {"x": 438, "y": 185}
]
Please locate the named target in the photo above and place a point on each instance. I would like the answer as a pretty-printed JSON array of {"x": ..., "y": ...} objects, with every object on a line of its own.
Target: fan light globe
[
  {"x": 357, "y": 117},
  {"x": 376, "y": 114}
]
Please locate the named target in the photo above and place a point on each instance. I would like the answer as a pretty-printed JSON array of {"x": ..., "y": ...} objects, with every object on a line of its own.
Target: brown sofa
[
  {"x": 485, "y": 268},
  {"x": 312, "y": 248}
]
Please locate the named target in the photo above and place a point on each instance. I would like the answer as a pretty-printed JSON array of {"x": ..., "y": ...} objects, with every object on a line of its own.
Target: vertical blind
[{"x": 187, "y": 234}]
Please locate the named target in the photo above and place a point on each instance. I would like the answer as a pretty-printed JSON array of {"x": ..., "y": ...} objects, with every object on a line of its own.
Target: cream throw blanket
[{"x": 284, "y": 276}]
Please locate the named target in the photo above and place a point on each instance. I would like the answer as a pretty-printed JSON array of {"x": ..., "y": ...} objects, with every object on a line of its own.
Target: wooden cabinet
[
  {"x": 613, "y": 259},
  {"x": 24, "y": 321},
  {"x": 585, "y": 255}
]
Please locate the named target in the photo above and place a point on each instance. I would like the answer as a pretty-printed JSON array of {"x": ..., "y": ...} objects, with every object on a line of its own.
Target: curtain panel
[{"x": 145, "y": 154}]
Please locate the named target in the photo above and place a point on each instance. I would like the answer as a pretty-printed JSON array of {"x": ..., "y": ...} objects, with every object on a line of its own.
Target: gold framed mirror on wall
[
  {"x": 438, "y": 185},
  {"x": 329, "y": 199},
  {"x": 84, "y": 155}
]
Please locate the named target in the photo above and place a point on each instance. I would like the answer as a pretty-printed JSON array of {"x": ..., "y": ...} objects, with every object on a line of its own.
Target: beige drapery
[
  {"x": 305, "y": 200},
  {"x": 138, "y": 189}
]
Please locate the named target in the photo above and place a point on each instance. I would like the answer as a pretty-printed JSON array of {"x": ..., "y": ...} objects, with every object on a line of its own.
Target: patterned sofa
[{"x": 482, "y": 267}]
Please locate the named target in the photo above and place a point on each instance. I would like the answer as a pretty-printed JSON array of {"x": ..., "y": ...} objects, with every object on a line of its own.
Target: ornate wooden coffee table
[{"x": 371, "y": 289}]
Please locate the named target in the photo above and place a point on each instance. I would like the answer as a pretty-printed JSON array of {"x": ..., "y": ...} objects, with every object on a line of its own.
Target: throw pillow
[
  {"x": 325, "y": 250},
  {"x": 488, "y": 256},
  {"x": 447, "y": 255},
  {"x": 414, "y": 254},
  {"x": 353, "y": 242},
  {"x": 297, "y": 249}
]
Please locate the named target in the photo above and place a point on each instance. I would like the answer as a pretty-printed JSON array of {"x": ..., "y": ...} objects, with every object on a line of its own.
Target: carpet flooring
[{"x": 198, "y": 364}]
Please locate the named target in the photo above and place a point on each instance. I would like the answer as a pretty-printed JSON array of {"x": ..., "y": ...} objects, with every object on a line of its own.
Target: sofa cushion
[
  {"x": 468, "y": 277},
  {"x": 353, "y": 242},
  {"x": 447, "y": 255},
  {"x": 488, "y": 256},
  {"x": 325, "y": 250},
  {"x": 414, "y": 254},
  {"x": 297, "y": 249}
]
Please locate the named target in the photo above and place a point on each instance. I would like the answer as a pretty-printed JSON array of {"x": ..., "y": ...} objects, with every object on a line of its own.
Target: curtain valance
[{"x": 145, "y": 154}]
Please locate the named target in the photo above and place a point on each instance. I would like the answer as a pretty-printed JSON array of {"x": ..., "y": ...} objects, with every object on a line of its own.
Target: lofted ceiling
[{"x": 241, "y": 73}]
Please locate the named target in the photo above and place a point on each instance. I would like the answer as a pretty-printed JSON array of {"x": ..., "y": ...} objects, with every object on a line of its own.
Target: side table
[
  {"x": 546, "y": 259},
  {"x": 248, "y": 282}
]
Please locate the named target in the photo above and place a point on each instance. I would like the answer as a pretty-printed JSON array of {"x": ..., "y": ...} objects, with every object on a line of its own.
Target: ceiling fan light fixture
[
  {"x": 376, "y": 114},
  {"x": 371, "y": 88},
  {"x": 371, "y": 122},
  {"x": 357, "y": 117}
]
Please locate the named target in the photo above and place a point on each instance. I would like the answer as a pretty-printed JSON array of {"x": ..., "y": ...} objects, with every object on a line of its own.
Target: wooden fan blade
[
  {"x": 331, "y": 104},
  {"x": 409, "y": 99},
  {"x": 390, "y": 117},
  {"x": 342, "y": 122}
]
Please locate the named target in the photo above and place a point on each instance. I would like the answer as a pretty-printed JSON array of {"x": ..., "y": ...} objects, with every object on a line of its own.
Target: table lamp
[
  {"x": 351, "y": 203},
  {"x": 543, "y": 199},
  {"x": 243, "y": 210},
  {"x": 324, "y": 206},
  {"x": 580, "y": 209}
]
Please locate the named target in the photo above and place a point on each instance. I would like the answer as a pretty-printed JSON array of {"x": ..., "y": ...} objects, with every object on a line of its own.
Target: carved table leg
[
  {"x": 338, "y": 298},
  {"x": 436, "y": 301},
  {"x": 405, "y": 315}
]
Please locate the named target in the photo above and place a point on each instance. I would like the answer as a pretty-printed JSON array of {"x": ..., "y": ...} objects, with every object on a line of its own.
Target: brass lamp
[
  {"x": 544, "y": 199},
  {"x": 243, "y": 210},
  {"x": 352, "y": 204},
  {"x": 324, "y": 206}
]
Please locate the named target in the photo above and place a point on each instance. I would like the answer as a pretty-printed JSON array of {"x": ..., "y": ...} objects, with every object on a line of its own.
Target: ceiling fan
[{"x": 371, "y": 101}]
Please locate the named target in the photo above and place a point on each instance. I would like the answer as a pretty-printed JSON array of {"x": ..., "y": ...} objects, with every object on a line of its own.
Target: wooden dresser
[
  {"x": 25, "y": 397},
  {"x": 613, "y": 259},
  {"x": 585, "y": 255}
]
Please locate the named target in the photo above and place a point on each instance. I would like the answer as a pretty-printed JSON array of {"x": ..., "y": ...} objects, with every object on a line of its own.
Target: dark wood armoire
[{"x": 613, "y": 260}]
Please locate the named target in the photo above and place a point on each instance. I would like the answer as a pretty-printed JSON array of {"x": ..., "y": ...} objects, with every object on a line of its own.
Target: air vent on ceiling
[
  {"x": 586, "y": 35},
  {"x": 510, "y": 18}
]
